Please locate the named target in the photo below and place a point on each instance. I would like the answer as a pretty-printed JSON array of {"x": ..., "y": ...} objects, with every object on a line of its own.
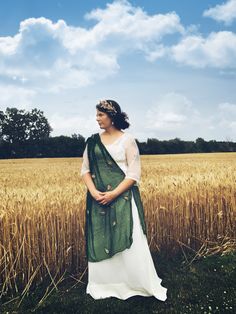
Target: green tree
[
  {"x": 19, "y": 126},
  {"x": 201, "y": 145}
]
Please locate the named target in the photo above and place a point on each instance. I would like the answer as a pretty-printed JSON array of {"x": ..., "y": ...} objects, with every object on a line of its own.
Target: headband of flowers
[{"x": 108, "y": 106}]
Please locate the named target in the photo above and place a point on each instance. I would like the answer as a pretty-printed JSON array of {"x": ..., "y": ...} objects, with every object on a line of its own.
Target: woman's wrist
[
  {"x": 115, "y": 193},
  {"x": 123, "y": 186},
  {"x": 92, "y": 191}
]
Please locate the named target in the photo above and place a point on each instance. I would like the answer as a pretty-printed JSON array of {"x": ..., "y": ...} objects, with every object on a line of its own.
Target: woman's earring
[{"x": 112, "y": 122}]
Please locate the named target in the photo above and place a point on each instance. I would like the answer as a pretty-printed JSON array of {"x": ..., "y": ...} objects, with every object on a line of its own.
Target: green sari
[{"x": 108, "y": 228}]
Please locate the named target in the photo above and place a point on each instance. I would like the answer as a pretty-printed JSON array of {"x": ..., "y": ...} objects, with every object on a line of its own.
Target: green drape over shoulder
[{"x": 108, "y": 228}]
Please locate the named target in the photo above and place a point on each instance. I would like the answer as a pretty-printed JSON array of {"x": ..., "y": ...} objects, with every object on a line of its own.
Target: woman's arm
[
  {"x": 86, "y": 174},
  {"x": 89, "y": 183},
  {"x": 133, "y": 172},
  {"x": 123, "y": 186},
  {"x": 87, "y": 178}
]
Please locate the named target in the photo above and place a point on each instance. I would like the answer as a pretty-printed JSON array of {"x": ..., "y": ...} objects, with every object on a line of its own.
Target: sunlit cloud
[{"x": 225, "y": 12}]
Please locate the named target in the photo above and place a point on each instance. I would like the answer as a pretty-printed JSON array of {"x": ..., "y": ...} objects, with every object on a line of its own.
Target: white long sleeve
[
  {"x": 133, "y": 159},
  {"x": 85, "y": 164}
]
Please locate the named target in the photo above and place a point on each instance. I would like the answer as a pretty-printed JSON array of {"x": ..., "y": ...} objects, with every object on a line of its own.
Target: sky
[{"x": 170, "y": 65}]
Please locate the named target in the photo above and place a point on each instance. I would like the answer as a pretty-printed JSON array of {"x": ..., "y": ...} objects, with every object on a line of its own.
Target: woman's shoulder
[{"x": 130, "y": 135}]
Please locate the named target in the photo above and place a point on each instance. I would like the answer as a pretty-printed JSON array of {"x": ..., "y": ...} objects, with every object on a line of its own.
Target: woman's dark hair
[{"x": 119, "y": 119}]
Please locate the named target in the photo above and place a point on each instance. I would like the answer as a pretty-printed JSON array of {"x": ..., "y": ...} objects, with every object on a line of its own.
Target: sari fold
[{"x": 109, "y": 228}]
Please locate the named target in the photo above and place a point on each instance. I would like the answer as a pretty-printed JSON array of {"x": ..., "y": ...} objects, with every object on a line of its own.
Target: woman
[{"x": 119, "y": 260}]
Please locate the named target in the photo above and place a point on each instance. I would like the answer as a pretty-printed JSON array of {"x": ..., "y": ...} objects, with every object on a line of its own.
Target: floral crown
[{"x": 105, "y": 104}]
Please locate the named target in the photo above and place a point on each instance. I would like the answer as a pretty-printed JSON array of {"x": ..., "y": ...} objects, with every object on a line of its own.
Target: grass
[{"x": 207, "y": 285}]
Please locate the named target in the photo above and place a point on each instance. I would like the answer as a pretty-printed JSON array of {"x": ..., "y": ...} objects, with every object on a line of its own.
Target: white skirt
[{"x": 127, "y": 273}]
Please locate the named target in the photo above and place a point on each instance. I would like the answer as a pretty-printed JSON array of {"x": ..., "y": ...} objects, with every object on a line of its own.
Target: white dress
[{"x": 132, "y": 271}]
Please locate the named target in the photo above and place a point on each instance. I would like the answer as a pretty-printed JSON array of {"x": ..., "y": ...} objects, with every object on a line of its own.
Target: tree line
[{"x": 26, "y": 134}]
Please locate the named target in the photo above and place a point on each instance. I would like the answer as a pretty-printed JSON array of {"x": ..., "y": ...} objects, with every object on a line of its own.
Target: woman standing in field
[{"x": 119, "y": 260}]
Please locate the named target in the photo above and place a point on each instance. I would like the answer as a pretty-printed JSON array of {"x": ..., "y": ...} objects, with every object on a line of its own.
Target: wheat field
[{"x": 187, "y": 199}]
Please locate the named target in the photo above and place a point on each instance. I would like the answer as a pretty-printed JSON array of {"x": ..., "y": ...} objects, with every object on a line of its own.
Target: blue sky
[{"x": 171, "y": 65}]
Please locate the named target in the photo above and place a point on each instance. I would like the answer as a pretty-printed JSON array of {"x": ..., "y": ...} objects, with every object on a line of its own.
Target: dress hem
[{"x": 110, "y": 288}]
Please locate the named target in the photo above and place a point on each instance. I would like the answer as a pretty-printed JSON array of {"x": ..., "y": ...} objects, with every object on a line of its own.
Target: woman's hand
[
  {"x": 107, "y": 197},
  {"x": 97, "y": 195},
  {"x": 104, "y": 198}
]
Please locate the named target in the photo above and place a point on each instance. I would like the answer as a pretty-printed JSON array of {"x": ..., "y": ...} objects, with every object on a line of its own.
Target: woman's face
[{"x": 103, "y": 119}]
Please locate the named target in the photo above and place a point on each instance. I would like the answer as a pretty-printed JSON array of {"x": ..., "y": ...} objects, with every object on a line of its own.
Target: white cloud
[
  {"x": 217, "y": 50},
  {"x": 225, "y": 116},
  {"x": 75, "y": 124},
  {"x": 14, "y": 96},
  {"x": 58, "y": 56},
  {"x": 172, "y": 111},
  {"x": 225, "y": 12},
  {"x": 227, "y": 108},
  {"x": 175, "y": 113},
  {"x": 8, "y": 44},
  {"x": 157, "y": 52},
  {"x": 132, "y": 23}
]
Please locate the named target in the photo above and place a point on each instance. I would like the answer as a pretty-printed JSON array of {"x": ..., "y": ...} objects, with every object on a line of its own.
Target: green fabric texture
[{"x": 108, "y": 228}]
